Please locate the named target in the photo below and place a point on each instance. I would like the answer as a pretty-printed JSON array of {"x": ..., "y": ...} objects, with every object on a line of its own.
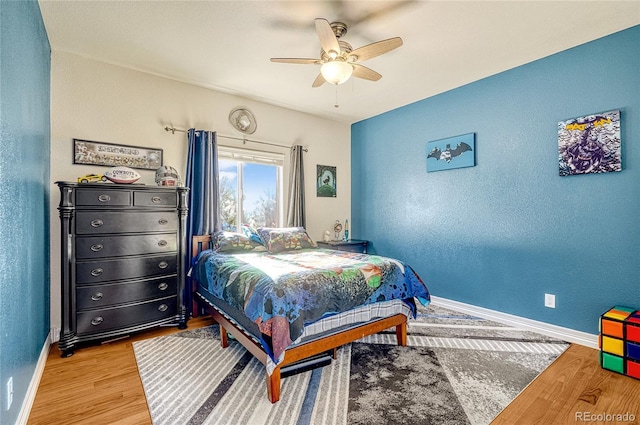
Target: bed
[{"x": 286, "y": 300}]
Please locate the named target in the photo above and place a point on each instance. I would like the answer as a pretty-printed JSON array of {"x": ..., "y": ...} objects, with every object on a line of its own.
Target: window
[{"x": 250, "y": 188}]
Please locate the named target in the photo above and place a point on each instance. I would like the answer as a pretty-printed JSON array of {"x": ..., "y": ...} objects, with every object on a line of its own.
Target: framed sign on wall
[
  {"x": 590, "y": 144},
  {"x": 112, "y": 155},
  {"x": 452, "y": 152}
]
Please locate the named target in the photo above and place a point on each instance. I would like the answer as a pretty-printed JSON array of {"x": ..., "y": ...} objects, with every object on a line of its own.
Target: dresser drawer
[
  {"x": 113, "y": 318},
  {"x": 94, "y": 222},
  {"x": 121, "y": 246},
  {"x": 103, "y": 197},
  {"x": 125, "y": 268},
  {"x": 157, "y": 199},
  {"x": 97, "y": 296}
]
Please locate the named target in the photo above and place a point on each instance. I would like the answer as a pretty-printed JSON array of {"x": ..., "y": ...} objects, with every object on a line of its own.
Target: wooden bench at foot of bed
[{"x": 299, "y": 352}]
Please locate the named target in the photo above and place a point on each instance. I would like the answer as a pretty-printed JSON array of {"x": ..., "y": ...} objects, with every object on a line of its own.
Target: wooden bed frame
[{"x": 299, "y": 352}]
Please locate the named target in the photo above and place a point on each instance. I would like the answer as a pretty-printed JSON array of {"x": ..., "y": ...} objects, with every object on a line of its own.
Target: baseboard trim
[
  {"x": 565, "y": 334},
  {"x": 30, "y": 397}
]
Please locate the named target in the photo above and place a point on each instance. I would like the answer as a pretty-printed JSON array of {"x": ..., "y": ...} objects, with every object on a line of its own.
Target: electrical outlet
[
  {"x": 550, "y": 300},
  {"x": 9, "y": 392}
]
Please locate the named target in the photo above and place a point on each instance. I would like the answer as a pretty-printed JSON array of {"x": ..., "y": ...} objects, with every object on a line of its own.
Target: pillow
[
  {"x": 235, "y": 242},
  {"x": 279, "y": 239},
  {"x": 251, "y": 233}
]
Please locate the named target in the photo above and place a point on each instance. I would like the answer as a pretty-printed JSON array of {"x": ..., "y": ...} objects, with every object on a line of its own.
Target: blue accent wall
[
  {"x": 24, "y": 197},
  {"x": 501, "y": 234}
]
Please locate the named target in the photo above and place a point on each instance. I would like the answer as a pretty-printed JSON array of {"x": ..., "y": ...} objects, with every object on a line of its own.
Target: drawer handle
[
  {"x": 156, "y": 199},
  {"x": 162, "y": 243},
  {"x": 97, "y": 247},
  {"x": 163, "y": 221},
  {"x": 163, "y": 264},
  {"x": 104, "y": 198},
  {"x": 96, "y": 223},
  {"x": 97, "y": 296},
  {"x": 163, "y": 286},
  {"x": 163, "y": 307},
  {"x": 96, "y": 272},
  {"x": 97, "y": 320}
]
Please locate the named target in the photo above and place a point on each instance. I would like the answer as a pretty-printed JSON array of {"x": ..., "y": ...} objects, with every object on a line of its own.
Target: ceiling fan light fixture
[
  {"x": 338, "y": 60},
  {"x": 336, "y": 72}
]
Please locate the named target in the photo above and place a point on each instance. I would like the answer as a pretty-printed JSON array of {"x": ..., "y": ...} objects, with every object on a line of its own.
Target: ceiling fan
[{"x": 338, "y": 61}]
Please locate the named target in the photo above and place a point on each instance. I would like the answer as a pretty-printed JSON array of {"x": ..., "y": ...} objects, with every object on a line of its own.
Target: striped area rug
[{"x": 457, "y": 369}]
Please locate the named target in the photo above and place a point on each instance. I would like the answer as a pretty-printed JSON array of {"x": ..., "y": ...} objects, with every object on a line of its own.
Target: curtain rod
[{"x": 243, "y": 140}]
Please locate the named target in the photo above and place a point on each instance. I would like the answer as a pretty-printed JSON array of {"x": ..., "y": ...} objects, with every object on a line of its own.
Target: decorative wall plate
[{"x": 243, "y": 120}]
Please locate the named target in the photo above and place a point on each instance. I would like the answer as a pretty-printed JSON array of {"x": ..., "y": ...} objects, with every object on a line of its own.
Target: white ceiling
[{"x": 226, "y": 45}]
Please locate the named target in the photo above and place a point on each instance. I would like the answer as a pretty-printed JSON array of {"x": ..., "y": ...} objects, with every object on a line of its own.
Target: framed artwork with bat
[
  {"x": 452, "y": 152},
  {"x": 590, "y": 144},
  {"x": 326, "y": 181}
]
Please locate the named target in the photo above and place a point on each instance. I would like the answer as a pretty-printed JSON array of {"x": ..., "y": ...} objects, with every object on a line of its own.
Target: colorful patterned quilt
[{"x": 283, "y": 292}]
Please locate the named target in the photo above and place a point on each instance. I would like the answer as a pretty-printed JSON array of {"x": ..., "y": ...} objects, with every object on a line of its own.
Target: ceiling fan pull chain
[{"x": 336, "y": 104}]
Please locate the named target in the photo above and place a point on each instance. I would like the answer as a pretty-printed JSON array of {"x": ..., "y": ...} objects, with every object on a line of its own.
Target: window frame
[{"x": 244, "y": 156}]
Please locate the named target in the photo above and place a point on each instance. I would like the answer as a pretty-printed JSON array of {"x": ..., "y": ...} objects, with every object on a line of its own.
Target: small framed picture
[
  {"x": 326, "y": 181},
  {"x": 452, "y": 152}
]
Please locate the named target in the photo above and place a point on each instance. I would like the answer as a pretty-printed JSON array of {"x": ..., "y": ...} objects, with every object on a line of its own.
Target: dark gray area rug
[{"x": 456, "y": 369}]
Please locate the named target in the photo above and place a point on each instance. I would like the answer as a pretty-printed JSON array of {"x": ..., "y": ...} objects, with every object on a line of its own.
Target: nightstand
[{"x": 351, "y": 245}]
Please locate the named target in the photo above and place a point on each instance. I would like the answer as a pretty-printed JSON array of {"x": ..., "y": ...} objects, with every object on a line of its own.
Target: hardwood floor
[
  {"x": 97, "y": 385},
  {"x": 100, "y": 385},
  {"x": 573, "y": 390}
]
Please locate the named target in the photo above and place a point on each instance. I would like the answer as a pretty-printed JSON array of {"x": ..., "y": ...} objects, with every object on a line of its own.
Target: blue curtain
[{"x": 202, "y": 181}]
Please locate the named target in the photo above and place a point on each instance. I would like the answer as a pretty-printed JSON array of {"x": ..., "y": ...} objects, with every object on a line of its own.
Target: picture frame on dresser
[{"x": 122, "y": 260}]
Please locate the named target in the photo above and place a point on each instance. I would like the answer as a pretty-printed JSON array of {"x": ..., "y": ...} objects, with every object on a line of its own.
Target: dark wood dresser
[{"x": 122, "y": 251}]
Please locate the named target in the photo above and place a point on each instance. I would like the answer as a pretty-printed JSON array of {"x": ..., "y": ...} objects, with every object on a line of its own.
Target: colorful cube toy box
[{"x": 620, "y": 341}]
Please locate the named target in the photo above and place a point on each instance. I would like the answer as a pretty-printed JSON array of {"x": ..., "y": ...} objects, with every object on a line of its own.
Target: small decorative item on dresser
[
  {"x": 167, "y": 176},
  {"x": 92, "y": 178},
  {"x": 123, "y": 175},
  {"x": 620, "y": 341}
]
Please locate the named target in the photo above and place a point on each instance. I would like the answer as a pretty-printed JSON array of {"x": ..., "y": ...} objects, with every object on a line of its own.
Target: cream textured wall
[{"x": 97, "y": 101}]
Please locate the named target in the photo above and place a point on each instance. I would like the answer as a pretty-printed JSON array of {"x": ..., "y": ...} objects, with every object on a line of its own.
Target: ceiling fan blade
[
  {"x": 380, "y": 13},
  {"x": 376, "y": 49},
  {"x": 328, "y": 39},
  {"x": 295, "y": 60},
  {"x": 365, "y": 73},
  {"x": 318, "y": 81}
]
